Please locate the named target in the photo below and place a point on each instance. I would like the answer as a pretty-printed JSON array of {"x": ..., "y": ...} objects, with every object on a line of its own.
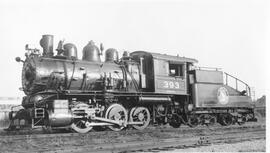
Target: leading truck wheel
[
  {"x": 117, "y": 113},
  {"x": 140, "y": 114},
  {"x": 81, "y": 126}
]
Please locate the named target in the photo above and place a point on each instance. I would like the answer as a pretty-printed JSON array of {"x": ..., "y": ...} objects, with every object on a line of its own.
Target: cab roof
[{"x": 165, "y": 57}]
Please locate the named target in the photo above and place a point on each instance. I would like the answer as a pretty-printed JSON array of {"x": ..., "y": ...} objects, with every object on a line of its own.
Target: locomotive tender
[{"x": 63, "y": 91}]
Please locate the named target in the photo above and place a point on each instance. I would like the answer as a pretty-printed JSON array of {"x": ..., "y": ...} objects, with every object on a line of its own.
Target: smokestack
[{"x": 46, "y": 42}]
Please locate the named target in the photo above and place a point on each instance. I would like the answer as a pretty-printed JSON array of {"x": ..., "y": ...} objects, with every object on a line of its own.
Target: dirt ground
[
  {"x": 160, "y": 139},
  {"x": 246, "y": 146}
]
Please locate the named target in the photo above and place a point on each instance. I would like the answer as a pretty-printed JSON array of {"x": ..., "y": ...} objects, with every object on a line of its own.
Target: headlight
[{"x": 37, "y": 98}]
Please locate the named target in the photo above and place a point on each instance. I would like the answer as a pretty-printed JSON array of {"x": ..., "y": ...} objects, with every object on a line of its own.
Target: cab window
[{"x": 176, "y": 70}]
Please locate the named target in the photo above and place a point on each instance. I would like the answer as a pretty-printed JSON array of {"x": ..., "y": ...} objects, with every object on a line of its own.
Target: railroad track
[
  {"x": 151, "y": 139},
  {"x": 39, "y": 133}
]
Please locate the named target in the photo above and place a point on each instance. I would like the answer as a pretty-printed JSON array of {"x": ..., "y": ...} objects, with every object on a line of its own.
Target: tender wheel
[
  {"x": 243, "y": 120},
  {"x": 81, "y": 126},
  {"x": 212, "y": 120},
  {"x": 118, "y": 113},
  {"x": 140, "y": 114},
  {"x": 226, "y": 119},
  {"x": 193, "y": 121},
  {"x": 258, "y": 116},
  {"x": 208, "y": 119}
]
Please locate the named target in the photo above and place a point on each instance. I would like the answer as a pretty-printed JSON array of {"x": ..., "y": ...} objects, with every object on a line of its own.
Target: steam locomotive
[{"x": 142, "y": 88}]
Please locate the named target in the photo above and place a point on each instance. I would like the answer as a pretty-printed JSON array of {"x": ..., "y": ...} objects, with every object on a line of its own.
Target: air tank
[
  {"x": 111, "y": 55},
  {"x": 46, "y": 43},
  {"x": 91, "y": 52},
  {"x": 70, "y": 51}
]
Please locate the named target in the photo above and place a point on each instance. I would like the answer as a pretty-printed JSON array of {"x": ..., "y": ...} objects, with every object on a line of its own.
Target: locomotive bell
[
  {"x": 91, "y": 52},
  {"x": 70, "y": 51},
  {"x": 46, "y": 42},
  {"x": 111, "y": 55}
]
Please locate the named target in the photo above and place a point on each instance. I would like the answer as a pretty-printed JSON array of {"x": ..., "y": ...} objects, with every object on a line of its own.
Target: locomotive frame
[{"x": 63, "y": 92}]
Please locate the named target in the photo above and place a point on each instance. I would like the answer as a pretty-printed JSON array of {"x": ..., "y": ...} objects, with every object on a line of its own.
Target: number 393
[{"x": 171, "y": 85}]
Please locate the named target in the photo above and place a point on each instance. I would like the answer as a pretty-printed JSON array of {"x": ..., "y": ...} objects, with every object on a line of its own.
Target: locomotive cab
[{"x": 162, "y": 73}]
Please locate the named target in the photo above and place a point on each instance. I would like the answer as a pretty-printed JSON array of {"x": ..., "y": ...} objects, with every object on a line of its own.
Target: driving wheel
[
  {"x": 118, "y": 113},
  {"x": 140, "y": 114}
]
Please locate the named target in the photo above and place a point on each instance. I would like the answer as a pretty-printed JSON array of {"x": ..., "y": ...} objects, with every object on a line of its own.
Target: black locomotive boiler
[{"x": 141, "y": 88}]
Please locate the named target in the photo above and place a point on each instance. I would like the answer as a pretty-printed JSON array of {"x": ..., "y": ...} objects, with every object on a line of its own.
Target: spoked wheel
[
  {"x": 47, "y": 128},
  {"x": 208, "y": 119},
  {"x": 226, "y": 119},
  {"x": 242, "y": 121},
  {"x": 140, "y": 114},
  {"x": 118, "y": 113},
  {"x": 212, "y": 120},
  {"x": 175, "y": 121},
  {"x": 81, "y": 126},
  {"x": 193, "y": 121}
]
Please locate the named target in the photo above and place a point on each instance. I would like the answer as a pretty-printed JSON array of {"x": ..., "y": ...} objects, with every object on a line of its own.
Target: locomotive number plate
[
  {"x": 167, "y": 84},
  {"x": 171, "y": 84}
]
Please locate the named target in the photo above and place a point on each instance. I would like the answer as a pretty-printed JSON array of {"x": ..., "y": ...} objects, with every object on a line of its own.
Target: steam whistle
[{"x": 60, "y": 48}]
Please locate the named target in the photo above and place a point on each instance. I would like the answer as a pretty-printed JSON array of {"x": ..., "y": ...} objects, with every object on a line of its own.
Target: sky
[{"x": 228, "y": 34}]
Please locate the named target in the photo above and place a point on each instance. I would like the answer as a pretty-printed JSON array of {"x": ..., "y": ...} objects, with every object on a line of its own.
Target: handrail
[
  {"x": 236, "y": 83},
  {"x": 208, "y": 68}
]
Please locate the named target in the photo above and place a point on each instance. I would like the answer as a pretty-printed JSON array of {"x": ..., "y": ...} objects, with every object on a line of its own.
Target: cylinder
[
  {"x": 111, "y": 55},
  {"x": 91, "y": 52},
  {"x": 46, "y": 43},
  {"x": 60, "y": 116},
  {"x": 70, "y": 51},
  {"x": 60, "y": 119}
]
